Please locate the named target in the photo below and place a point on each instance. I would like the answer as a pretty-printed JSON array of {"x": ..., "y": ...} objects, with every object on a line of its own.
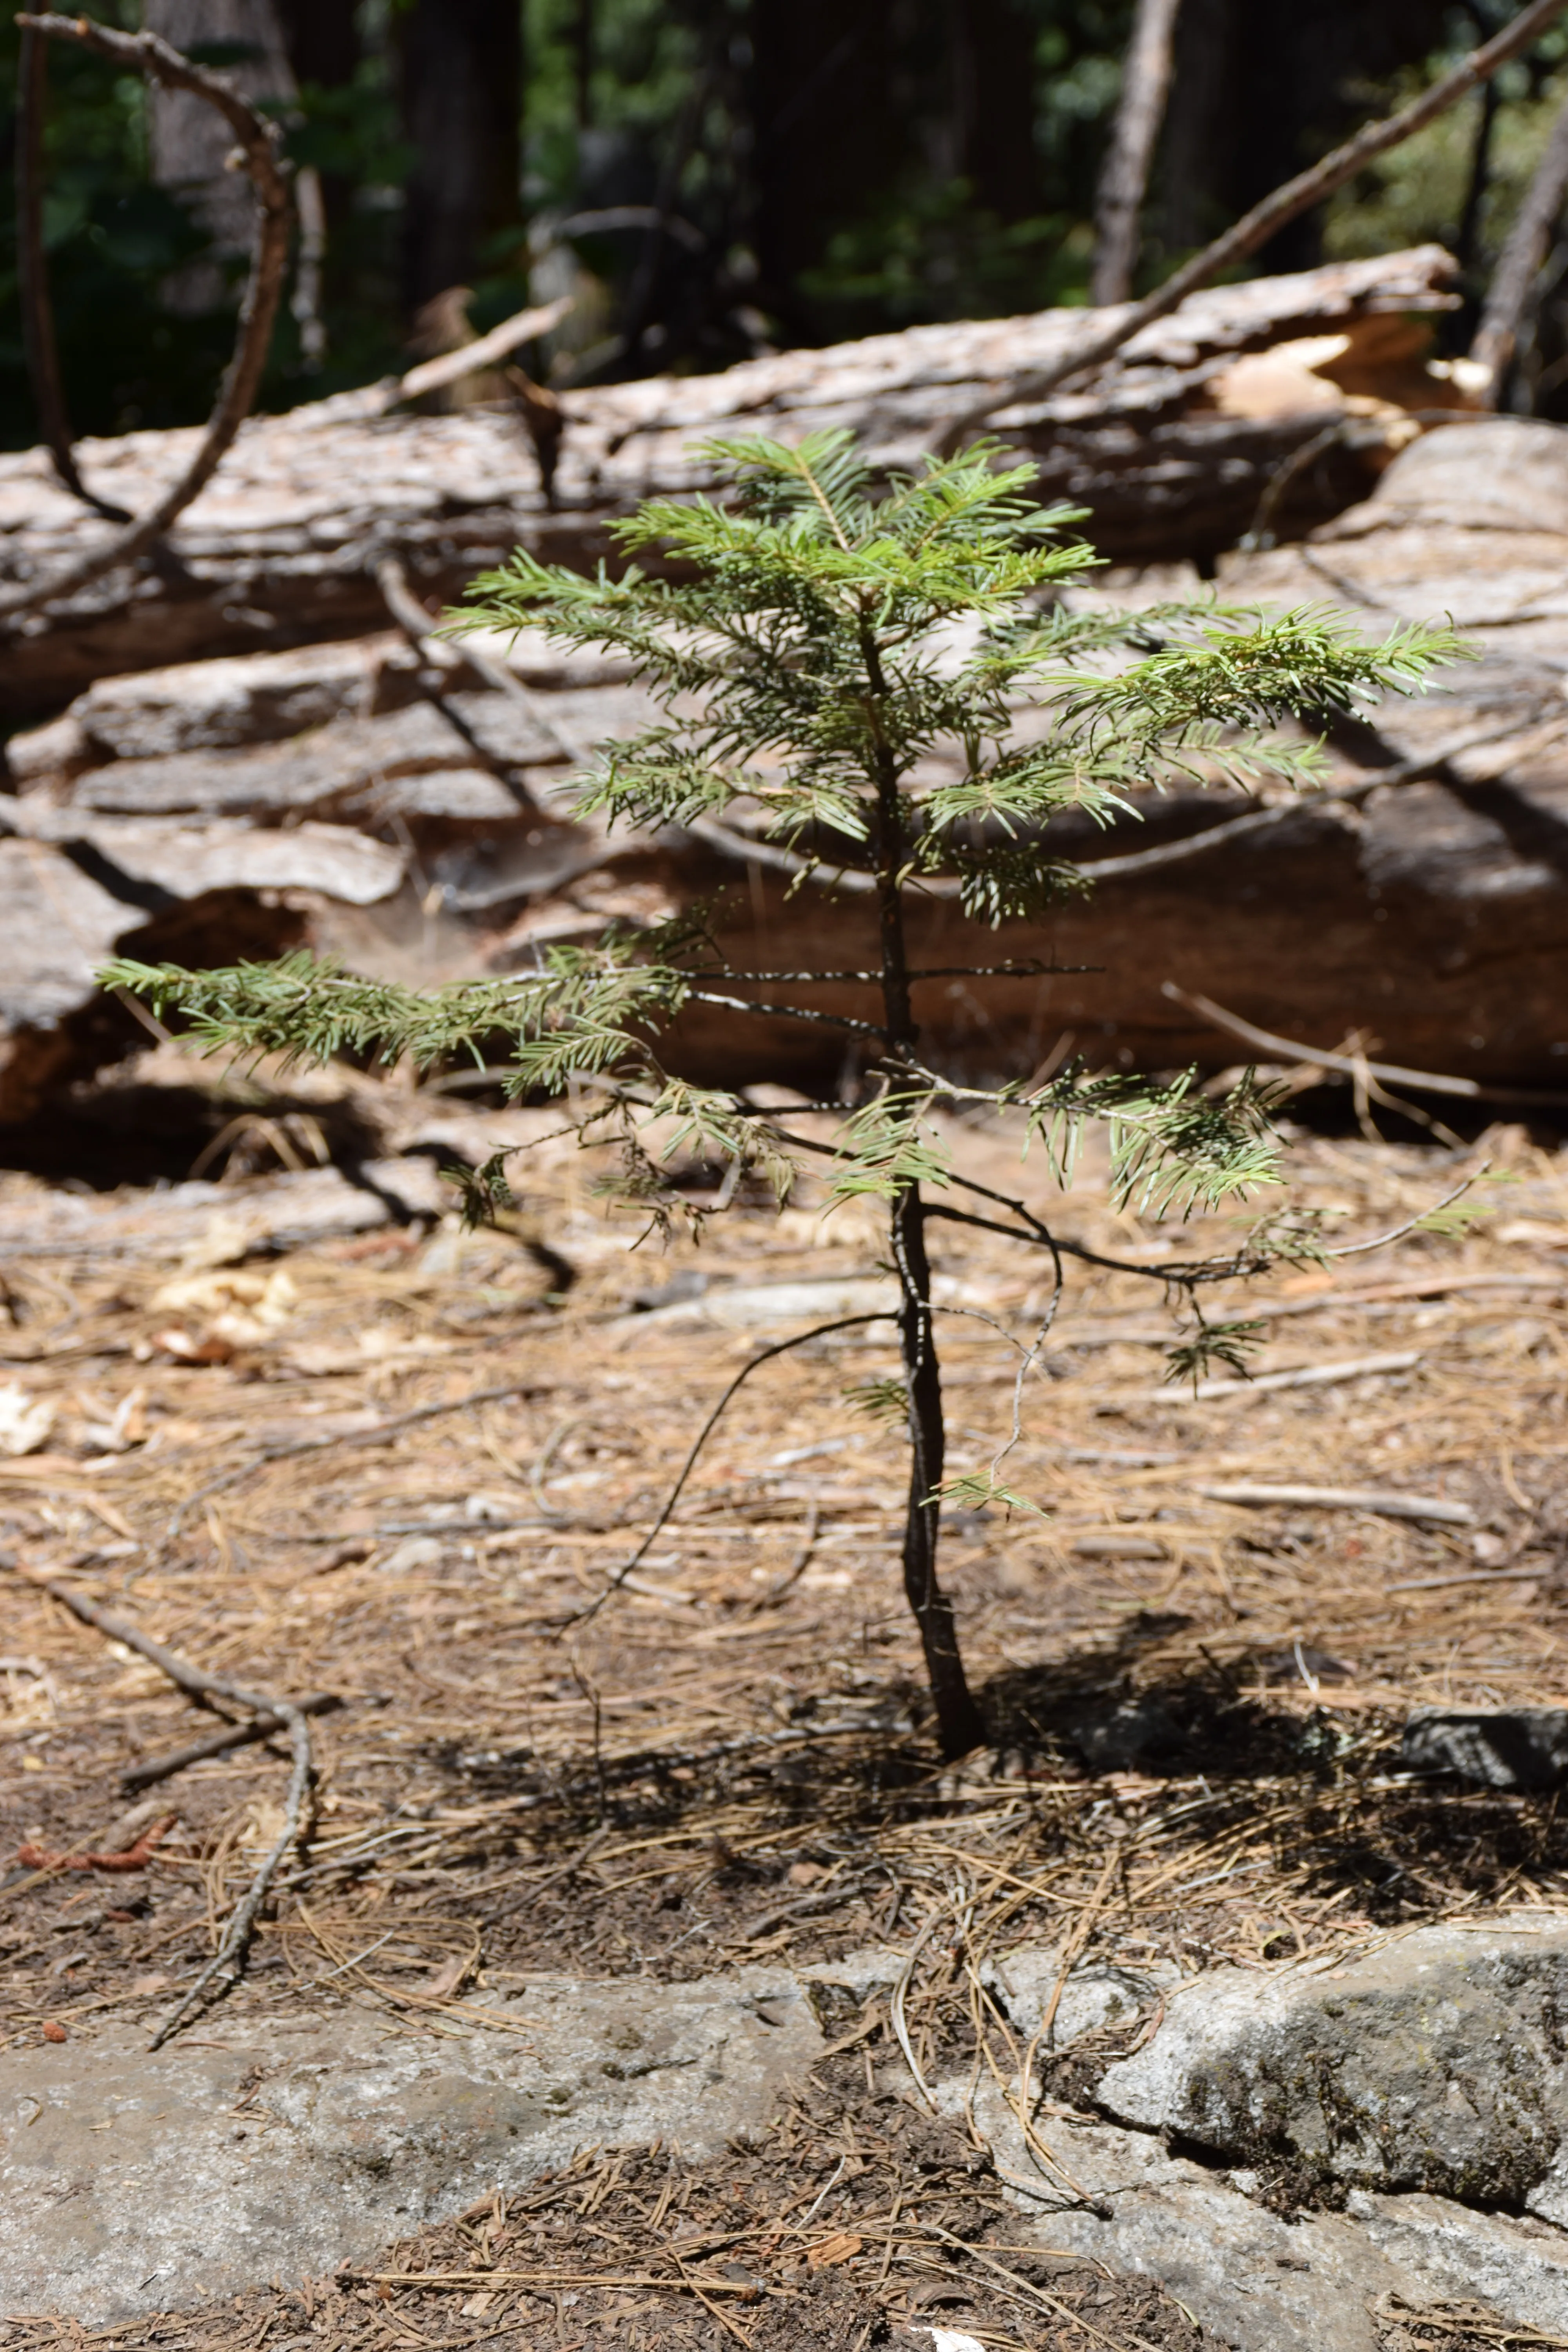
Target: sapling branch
[
  {"x": 786, "y": 1011},
  {"x": 765, "y": 1356}
]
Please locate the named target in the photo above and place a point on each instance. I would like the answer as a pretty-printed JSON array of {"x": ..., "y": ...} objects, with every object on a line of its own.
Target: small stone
[
  {"x": 1501, "y": 1747},
  {"x": 1140, "y": 1733},
  {"x": 413, "y": 1553}
]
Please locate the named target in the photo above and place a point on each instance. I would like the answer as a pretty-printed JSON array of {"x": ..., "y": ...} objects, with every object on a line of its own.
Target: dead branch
[
  {"x": 1346, "y": 1498},
  {"x": 229, "y": 1958},
  {"x": 1353, "y": 1067},
  {"x": 238, "y": 1735},
  {"x": 1145, "y": 81},
  {"x": 237, "y": 394},
  {"x": 38, "y": 317},
  {"x": 1508, "y": 297},
  {"x": 446, "y": 368},
  {"x": 418, "y": 627},
  {"x": 132, "y": 1857},
  {"x": 434, "y": 375},
  {"x": 1256, "y": 227},
  {"x": 544, "y": 422},
  {"x": 622, "y": 1576}
]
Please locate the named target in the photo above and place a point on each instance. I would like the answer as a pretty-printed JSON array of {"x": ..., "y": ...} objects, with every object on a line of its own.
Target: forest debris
[
  {"x": 192, "y": 893},
  {"x": 25, "y": 1421},
  {"x": 1347, "y": 1498},
  {"x": 1426, "y": 1082},
  {"x": 304, "y": 502},
  {"x": 451, "y": 367},
  {"x": 222, "y": 1743},
  {"x": 358, "y": 764},
  {"x": 229, "y": 1958},
  {"x": 259, "y": 697},
  {"x": 202, "y": 1224},
  {"x": 789, "y": 1736},
  {"x": 134, "y": 1857},
  {"x": 1381, "y": 868},
  {"x": 235, "y": 1309}
]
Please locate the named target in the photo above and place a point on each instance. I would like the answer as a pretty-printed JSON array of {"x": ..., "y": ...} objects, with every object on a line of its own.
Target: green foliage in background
[
  {"x": 662, "y": 116},
  {"x": 113, "y": 237},
  {"x": 1416, "y": 194}
]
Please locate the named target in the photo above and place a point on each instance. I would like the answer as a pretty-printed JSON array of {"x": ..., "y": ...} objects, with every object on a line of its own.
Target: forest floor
[{"x": 1194, "y": 1702}]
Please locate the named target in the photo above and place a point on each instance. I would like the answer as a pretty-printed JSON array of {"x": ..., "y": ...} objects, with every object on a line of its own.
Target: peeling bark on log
[
  {"x": 280, "y": 548},
  {"x": 1425, "y": 906}
]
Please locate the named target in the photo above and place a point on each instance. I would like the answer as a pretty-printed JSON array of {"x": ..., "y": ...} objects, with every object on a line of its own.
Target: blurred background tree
[{"x": 714, "y": 178}]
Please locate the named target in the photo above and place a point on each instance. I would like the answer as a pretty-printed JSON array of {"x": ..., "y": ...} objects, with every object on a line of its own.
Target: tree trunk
[
  {"x": 825, "y": 137},
  {"x": 960, "y": 1725},
  {"x": 860, "y": 110},
  {"x": 462, "y": 84},
  {"x": 1257, "y": 94},
  {"x": 1496, "y": 337},
  {"x": 190, "y": 139},
  {"x": 1146, "y": 79},
  {"x": 990, "y": 76},
  {"x": 323, "y": 40}
]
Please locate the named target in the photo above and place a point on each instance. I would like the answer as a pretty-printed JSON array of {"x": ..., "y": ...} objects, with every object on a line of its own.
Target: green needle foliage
[{"x": 810, "y": 640}]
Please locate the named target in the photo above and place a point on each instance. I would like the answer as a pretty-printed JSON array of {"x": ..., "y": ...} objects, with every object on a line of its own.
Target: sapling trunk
[{"x": 960, "y": 1726}]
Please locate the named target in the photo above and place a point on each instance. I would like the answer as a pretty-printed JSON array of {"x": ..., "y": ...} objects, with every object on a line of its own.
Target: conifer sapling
[{"x": 811, "y": 639}]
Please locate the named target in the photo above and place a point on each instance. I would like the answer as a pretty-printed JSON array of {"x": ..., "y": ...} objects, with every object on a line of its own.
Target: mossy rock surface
[{"x": 1435, "y": 2064}]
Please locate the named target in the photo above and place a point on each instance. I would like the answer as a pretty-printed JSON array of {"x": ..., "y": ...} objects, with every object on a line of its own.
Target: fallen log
[
  {"x": 1171, "y": 445},
  {"x": 73, "y": 891},
  {"x": 1416, "y": 901}
]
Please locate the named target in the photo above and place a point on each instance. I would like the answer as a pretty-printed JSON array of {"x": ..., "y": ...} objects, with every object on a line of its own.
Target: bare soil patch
[{"x": 1194, "y": 1704}]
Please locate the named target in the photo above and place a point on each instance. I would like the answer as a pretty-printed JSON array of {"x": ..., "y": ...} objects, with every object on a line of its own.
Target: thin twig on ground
[{"x": 229, "y": 1958}]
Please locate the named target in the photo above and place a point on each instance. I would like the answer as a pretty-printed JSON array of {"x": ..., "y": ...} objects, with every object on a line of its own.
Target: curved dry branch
[{"x": 257, "y": 138}]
